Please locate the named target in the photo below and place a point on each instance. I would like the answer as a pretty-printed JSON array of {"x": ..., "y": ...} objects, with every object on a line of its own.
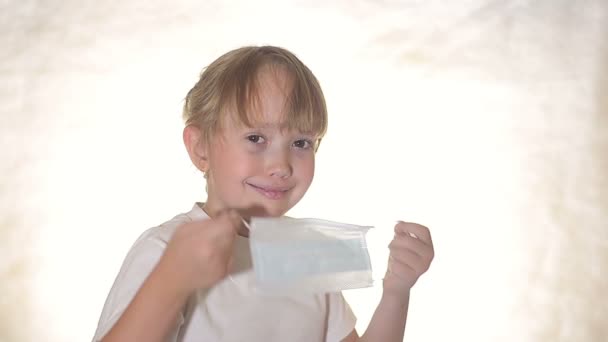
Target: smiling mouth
[{"x": 270, "y": 192}]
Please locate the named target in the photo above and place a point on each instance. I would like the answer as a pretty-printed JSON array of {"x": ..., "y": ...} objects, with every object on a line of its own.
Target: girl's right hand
[{"x": 200, "y": 252}]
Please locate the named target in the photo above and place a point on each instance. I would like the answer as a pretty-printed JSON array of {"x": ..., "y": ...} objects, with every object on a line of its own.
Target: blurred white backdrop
[{"x": 485, "y": 120}]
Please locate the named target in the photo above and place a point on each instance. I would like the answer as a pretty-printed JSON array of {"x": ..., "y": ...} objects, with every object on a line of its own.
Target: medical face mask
[{"x": 308, "y": 255}]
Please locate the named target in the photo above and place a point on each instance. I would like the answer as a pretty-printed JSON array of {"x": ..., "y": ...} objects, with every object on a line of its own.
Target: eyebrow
[
  {"x": 284, "y": 127},
  {"x": 268, "y": 125}
]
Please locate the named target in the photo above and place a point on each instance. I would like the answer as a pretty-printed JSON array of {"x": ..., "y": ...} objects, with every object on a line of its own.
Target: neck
[{"x": 242, "y": 231}]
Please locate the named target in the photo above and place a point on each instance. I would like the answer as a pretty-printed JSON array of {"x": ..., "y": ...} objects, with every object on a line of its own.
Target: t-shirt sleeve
[
  {"x": 139, "y": 263},
  {"x": 340, "y": 318}
]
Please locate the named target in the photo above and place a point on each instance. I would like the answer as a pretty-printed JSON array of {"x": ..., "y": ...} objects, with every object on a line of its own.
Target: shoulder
[
  {"x": 137, "y": 265},
  {"x": 160, "y": 235}
]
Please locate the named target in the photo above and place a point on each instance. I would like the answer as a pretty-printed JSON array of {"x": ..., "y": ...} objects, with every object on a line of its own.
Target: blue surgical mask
[{"x": 308, "y": 255}]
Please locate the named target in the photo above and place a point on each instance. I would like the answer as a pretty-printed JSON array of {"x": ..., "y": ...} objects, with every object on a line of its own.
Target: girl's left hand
[{"x": 411, "y": 253}]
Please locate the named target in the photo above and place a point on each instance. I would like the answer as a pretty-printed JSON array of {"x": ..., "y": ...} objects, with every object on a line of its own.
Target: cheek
[
  {"x": 238, "y": 165},
  {"x": 306, "y": 168}
]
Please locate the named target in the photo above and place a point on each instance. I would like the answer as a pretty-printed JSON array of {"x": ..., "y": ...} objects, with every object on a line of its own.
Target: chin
[
  {"x": 272, "y": 212},
  {"x": 276, "y": 213},
  {"x": 260, "y": 210}
]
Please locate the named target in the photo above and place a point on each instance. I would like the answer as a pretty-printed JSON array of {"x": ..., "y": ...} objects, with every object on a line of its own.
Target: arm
[
  {"x": 153, "y": 313},
  {"x": 387, "y": 324},
  {"x": 411, "y": 255},
  {"x": 197, "y": 257}
]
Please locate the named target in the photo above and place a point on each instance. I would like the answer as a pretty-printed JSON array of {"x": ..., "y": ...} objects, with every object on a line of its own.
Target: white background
[{"x": 484, "y": 120}]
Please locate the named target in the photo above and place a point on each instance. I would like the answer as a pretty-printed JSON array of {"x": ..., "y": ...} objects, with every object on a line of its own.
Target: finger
[
  {"x": 230, "y": 263},
  {"x": 408, "y": 258},
  {"x": 402, "y": 271},
  {"x": 419, "y": 231},
  {"x": 231, "y": 218},
  {"x": 406, "y": 242},
  {"x": 235, "y": 219},
  {"x": 239, "y": 223}
]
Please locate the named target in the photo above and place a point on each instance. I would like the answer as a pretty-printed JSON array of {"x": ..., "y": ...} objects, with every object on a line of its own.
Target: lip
[{"x": 271, "y": 192}]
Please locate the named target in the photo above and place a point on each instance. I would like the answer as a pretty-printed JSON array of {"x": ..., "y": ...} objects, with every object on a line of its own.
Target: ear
[{"x": 196, "y": 147}]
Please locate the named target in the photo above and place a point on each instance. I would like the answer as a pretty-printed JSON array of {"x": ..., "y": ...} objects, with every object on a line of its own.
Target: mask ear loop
[{"x": 246, "y": 224}]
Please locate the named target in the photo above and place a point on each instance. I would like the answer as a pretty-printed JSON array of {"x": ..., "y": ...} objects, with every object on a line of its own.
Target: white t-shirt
[{"x": 231, "y": 310}]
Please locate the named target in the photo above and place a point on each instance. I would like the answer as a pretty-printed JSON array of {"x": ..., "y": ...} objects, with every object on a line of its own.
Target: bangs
[{"x": 304, "y": 108}]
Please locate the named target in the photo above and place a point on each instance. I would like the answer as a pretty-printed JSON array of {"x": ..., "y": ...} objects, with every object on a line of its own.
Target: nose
[{"x": 279, "y": 164}]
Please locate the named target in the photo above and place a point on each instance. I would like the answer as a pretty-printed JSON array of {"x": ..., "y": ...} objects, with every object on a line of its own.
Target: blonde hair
[{"x": 231, "y": 83}]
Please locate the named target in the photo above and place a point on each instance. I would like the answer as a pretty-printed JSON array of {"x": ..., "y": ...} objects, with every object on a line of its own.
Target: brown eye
[
  {"x": 256, "y": 139},
  {"x": 303, "y": 144}
]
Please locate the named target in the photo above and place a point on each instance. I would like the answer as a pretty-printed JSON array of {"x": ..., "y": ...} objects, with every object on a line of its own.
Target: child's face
[{"x": 263, "y": 170}]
